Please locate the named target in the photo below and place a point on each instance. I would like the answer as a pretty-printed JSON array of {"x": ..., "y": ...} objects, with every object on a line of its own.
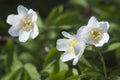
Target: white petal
[
  {"x": 13, "y": 19},
  {"x": 83, "y": 34},
  {"x": 75, "y": 61},
  {"x": 35, "y": 31},
  {"x": 23, "y": 36},
  {"x": 14, "y": 31},
  {"x": 22, "y": 10},
  {"x": 80, "y": 29},
  {"x": 66, "y": 34},
  {"x": 92, "y": 22},
  {"x": 33, "y": 15},
  {"x": 104, "y": 40},
  {"x": 104, "y": 26},
  {"x": 66, "y": 57},
  {"x": 79, "y": 49},
  {"x": 62, "y": 44}
]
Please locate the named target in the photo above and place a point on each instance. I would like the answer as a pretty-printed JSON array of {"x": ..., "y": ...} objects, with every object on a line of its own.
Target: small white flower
[
  {"x": 94, "y": 32},
  {"x": 23, "y": 24},
  {"x": 73, "y": 49}
]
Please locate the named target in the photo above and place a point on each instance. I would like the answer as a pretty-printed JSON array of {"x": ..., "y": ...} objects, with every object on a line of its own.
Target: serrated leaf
[{"x": 32, "y": 71}]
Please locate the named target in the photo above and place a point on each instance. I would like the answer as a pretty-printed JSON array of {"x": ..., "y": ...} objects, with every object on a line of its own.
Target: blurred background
[{"x": 39, "y": 59}]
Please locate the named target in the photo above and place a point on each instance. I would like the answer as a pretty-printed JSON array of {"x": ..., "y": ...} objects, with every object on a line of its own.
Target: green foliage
[
  {"x": 32, "y": 71},
  {"x": 39, "y": 59}
]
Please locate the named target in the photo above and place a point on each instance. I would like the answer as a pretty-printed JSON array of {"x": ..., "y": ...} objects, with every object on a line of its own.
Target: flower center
[
  {"x": 71, "y": 50},
  {"x": 96, "y": 34},
  {"x": 26, "y": 24},
  {"x": 73, "y": 42}
]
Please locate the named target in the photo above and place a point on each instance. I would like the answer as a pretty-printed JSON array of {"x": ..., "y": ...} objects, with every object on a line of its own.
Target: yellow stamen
[
  {"x": 96, "y": 34},
  {"x": 73, "y": 42},
  {"x": 71, "y": 50},
  {"x": 26, "y": 24}
]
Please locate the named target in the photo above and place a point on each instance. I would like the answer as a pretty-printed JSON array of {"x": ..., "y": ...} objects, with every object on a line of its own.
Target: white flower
[
  {"x": 94, "y": 32},
  {"x": 23, "y": 24},
  {"x": 73, "y": 49}
]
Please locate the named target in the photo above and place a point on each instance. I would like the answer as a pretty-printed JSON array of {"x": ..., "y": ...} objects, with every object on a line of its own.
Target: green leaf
[
  {"x": 25, "y": 57},
  {"x": 75, "y": 72},
  {"x": 14, "y": 75},
  {"x": 113, "y": 46},
  {"x": 114, "y": 78},
  {"x": 53, "y": 14},
  {"x": 114, "y": 72},
  {"x": 58, "y": 76},
  {"x": 75, "y": 77},
  {"x": 30, "y": 45},
  {"x": 85, "y": 61},
  {"x": 16, "y": 63},
  {"x": 32, "y": 71},
  {"x": 63, "y": 66},
  {"x": 16, "y": 70},
  {"x": 51, "y": 56},
  {"x": 66, "y": 18},
  {"x": 39, "y": 21},
  {"x": 79, "y": 2}
]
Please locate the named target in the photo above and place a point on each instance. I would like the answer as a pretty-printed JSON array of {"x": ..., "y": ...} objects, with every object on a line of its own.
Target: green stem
[{"x": 103, "y": 63}]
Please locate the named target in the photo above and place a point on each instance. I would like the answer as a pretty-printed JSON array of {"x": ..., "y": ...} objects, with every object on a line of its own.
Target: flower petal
[
  {"x": 62, "y": 44},
  {"x": 83, "y": 34},
  {"x": 35, "y": 31},
  {"x": 104, "y": 40},
  {"x": 33, "y": 15},
  {"x": 66, "y": 34},
  {"x": 75, "y": 61},
  {"x": 22, "y": 10},
  {"x": 104, "y": 25},
  {"x": 13, "y": 19},
  {"x": 23, "y": 35},
  {"x": 79, "y": 49},
  {"x": 66, "y": 57},
  {"x": 14, "y": 31},
  {"x": 92, "y": 22}
]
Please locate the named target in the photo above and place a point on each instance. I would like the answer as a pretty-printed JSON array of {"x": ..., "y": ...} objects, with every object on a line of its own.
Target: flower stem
[{"x": 103, "y": 63}]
